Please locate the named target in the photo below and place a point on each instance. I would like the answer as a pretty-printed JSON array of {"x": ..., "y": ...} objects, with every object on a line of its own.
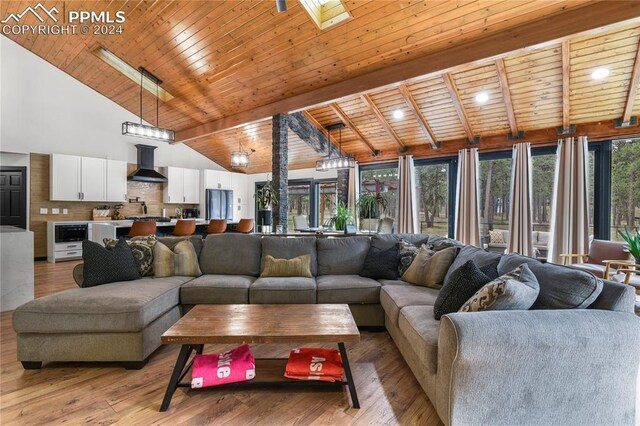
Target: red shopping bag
[
  {"x": 236, "y": 365},
  {"x": 314, "y": 364}
]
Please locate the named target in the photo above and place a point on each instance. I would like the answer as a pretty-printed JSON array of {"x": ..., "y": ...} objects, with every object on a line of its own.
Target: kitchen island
[{"x": 120, "y": 228}]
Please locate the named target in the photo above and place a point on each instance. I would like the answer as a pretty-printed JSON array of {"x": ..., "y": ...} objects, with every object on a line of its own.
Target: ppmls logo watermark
[{"x": 69, "y": 22}]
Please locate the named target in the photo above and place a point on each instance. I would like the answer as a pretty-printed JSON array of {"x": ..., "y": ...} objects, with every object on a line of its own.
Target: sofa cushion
[
  {"x": 561, "y": 287},
  {"x": 288, "y": 248},
  {"x": 118, "y": 307},
  {"x": 283, "y": 290},
  {"x": 480, "y": 258},
  {"x": 103, "y": 265},
  {"x": 392, "y": 282},
  {"x": 171, "y": 242},
  {"x": 429, "y": 267},
  {"x": 381, "y": 263},
  {"x": 395, "y": 297},
  {"x": 419, "y": 327},
  {"x": 384, "y": 241},
  {"x": 341, "y": 256},
  {"x": 597, "y": 270},
  {"x": 182, "y": 260},
  {"x": 462, "y": 285},
  {"x": 514, "y": 291},
  {"x": 299, "y": 266},
  {"x": 347, "y": 289},
  {"x": 231, "y": 254},
  {"x": 216, "y": 289}
]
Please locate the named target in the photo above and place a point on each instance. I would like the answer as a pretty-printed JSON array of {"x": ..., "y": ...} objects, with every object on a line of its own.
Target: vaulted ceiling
[{"x": 225, "y": 59}]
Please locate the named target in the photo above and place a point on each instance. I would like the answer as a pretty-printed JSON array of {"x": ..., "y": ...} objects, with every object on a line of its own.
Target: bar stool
[
  {"x": 184, "y": 228},
  {"x": 217, "y": 226},
  {"x": 245, "y": 226},
  {"x": 142, "y": 228}
]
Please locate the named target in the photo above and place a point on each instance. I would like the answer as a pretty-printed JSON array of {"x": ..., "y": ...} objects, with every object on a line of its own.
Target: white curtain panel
[
  {"x": 570, "y": 207},
  {"x": 407, "y": 208},
  {"x": 467, "y": 226},
  {"x": 520, "y": 214},
  {"x": 353, "y": 192}
]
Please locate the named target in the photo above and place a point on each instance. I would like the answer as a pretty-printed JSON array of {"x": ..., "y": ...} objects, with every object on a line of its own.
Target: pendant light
[
  {"x": 240, "y": 158},
  {"x": 339, "y": 163},
  {"x": 143, "y": 130}
]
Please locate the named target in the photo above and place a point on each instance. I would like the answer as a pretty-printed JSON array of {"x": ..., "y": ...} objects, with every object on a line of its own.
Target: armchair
[{"x": 602, "y": 256}]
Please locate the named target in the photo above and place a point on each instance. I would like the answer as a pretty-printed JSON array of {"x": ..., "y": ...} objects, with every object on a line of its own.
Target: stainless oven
[{"x": 69, "y": 233}]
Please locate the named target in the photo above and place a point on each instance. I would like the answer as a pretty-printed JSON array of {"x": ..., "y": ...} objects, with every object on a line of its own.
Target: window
[
  {"x": 383, "y": 180},
  {"x": 543, "y": 175},
  {"x": 495, "y": 178},
  {"x": 625, "y": 185},
  {"x": 327, "y": 202},
  {"x": 299, "y": 201},
  {"x": 432, "y": 197}
]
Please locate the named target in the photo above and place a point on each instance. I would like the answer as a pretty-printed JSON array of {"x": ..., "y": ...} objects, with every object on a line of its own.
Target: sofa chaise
[{"x": 573, "y": 360}]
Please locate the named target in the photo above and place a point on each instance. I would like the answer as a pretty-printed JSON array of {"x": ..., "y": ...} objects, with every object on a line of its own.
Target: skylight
[{"x": 326, "y": 13}]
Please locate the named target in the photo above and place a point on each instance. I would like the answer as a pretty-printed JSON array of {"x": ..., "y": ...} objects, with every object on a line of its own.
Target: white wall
[
  {"x": 293, "y": 174},
  {"x": 44, "y": 110}
]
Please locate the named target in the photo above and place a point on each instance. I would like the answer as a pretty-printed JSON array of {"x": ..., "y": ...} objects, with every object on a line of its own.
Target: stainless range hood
[{"x": 145, "y": 171}]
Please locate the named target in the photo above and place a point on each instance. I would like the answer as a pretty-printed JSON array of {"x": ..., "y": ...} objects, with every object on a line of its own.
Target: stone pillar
[
  {"x": 280, "y": 168},
  {"x": 342, "y": 186}
]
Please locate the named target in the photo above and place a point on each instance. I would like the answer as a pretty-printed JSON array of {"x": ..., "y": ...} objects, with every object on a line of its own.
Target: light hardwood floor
[{"x": 77, "y": 393}]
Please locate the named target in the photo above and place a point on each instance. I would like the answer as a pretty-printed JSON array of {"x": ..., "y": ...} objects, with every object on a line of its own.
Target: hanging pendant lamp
[{"x": 339, "y": 163}]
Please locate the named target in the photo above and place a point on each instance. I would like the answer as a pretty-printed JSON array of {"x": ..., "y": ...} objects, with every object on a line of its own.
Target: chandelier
[
  {"x": 339, "y": 163},
  {"x": 240, "y": 158},
  {"x": 143, "y": 130}
]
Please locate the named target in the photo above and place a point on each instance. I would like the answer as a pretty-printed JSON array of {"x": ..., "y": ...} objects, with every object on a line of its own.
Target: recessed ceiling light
[
  {"x": 398, "y": 114},
  {"x": 600, "y": 73},
  {"x": 482, "y": 97}
]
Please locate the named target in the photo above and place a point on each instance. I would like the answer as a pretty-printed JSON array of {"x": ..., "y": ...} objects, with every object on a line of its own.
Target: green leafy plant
[
  {"x": 633, "y": 242},
  {"x": 266, "y": 196},
  {"x": 371, "y": 205},
  {"x": 342, "y": 218}
]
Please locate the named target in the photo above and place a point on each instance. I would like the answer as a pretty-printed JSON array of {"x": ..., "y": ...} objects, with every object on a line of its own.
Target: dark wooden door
[{"x": 13, "y": 197}]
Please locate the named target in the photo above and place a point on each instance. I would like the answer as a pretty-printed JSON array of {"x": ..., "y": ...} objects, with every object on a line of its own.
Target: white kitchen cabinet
[
  {"x": 183, "y": 186},
  {"x": 65, "y": 177},
  {"x": 191, "y": 186},
  {"x": 93, "y": 181},
  {"x": 116, "y": 181},
  {"x": 217, "y": 179}
]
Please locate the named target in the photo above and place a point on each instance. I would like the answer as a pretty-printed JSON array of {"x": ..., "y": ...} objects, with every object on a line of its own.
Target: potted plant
[
  {"x": 633, "y": 242},
  {"x": 267, "y": 198},
  {"x": 371, "y": 205},
  {"x": 342, "y": 218}
]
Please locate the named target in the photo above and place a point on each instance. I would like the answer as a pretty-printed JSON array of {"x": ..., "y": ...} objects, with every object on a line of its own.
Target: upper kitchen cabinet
[
  {"x": 116, "y": 181},
  {"x": 183, "y": 186},
  {"x": 217, "y": 179},
  {"x": 74, "y": 178}
]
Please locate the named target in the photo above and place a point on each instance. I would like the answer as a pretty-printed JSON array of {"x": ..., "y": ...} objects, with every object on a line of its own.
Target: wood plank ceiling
[{"x": 222, "y": 58}]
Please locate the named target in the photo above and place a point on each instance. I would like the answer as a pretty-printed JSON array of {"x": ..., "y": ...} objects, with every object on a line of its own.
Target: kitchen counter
[{"x": 16, "y": 256}]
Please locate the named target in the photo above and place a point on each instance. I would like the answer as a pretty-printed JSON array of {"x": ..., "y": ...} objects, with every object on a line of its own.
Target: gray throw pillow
[
  {"x": 103, "y": 265},
  {"x": 516, "y": 290}
]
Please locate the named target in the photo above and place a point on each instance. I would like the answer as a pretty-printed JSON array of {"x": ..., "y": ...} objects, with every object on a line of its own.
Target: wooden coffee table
[{"x": 237, "y": 324}]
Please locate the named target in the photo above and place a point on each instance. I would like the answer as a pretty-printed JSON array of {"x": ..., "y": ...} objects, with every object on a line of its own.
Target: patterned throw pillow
[
  {"x": 437, "y": 243},
  {"x": 406, "y": 253},
  {"x": 103, "y": 265},
  {"x": 461, "y": 285},
  {"x": 142, "y": 248},
  {"x": 429, "y": 267},
  {"x": 496, "y": 237},
  {"x": 182, "y": 260},
  {"x": 297, "y": 267},
  {"x": 516, "y": 290}
]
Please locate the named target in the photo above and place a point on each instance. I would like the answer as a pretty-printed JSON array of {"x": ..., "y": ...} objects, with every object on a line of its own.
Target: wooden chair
[
  {"x": 142, "y": 228},
  {"x": 184, "y": 228},
  {"x": 245, "y": 226},
  {"x": 217, "y": 226},
  {"x": 602, "y": 256}
]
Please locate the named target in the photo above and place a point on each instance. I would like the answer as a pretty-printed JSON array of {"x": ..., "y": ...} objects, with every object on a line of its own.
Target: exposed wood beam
[
  {"x": 588, "y": 17},
  {"x": 597, "y": 131},
  {"x": 347, "y": 122},
  {"x": 566, "y": 75},
  {"x": 506, "y": 95},
  {"x": 633, "y": 89},
  {"x": 387, "y": 127},
  {"x": 420, "y": 118},
  {"x": 457, "y": 104}
]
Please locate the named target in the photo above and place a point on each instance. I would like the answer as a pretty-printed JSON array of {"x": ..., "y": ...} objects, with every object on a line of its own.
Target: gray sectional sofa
[{"x": 557, "y": 364}]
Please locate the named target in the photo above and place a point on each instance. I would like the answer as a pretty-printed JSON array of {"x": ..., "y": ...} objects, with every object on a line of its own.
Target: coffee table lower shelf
[{"x": 269, "y": 372}]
